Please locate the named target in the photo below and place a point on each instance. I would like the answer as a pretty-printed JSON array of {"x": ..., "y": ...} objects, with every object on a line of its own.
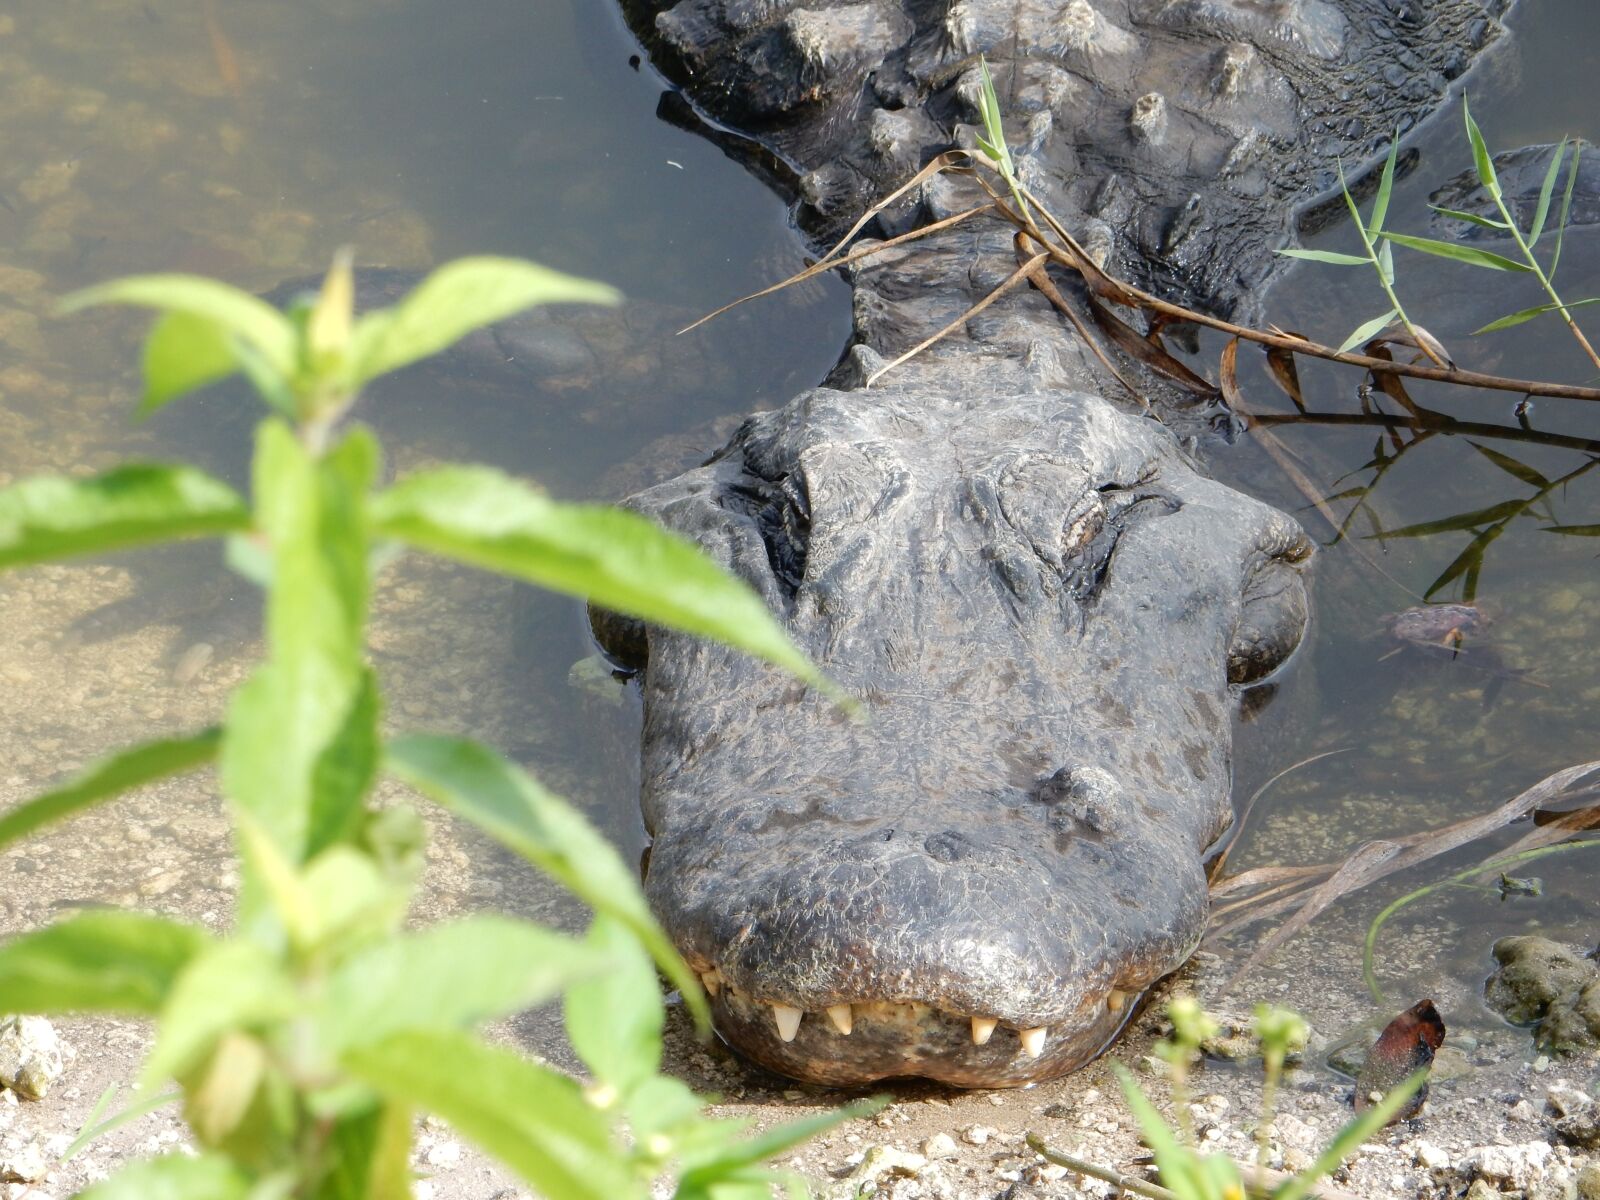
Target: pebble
[
  {"x": 443, "y": 1154},
  {"x": 1431, "y": 1157},
  {"x": 31, "y": 1056},
  {"x": 1589, "y": 1181},
  {"x": 976, "y": 1135},
  {"x": 23, "y": 1166},
  {"x": 940, "y": 1145}
]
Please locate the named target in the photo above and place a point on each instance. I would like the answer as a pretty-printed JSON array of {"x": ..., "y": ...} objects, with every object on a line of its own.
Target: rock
[
  {"x": 1482, "y": 1189},
  {"x": 443, "y": 1155},
  {"x": 1564, "y": 1101},
  {"x": 1589, "y": 1181},
  {"x": 1573, "y": 1025},
  {"x": 1534, "y": 973},
  {"x": 1431, "y": 1157},
  {"x": 23, "y": 1166},
  {"x": 1581, "y": 1128},
  {"x": 31, "y": 1056},
  {"x": 976, "y": 1135},
  {"x": 877, "y": 1161},
  {"x": 940, "y": 1145},
  {"x": 1519, "y": 1166}
]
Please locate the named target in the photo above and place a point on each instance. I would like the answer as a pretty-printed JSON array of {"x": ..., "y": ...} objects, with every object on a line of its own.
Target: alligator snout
[{"x": 994, "y": 952}]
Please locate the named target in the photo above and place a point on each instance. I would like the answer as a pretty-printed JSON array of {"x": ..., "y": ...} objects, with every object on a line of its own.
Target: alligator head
[
  {"x": 1045, "y": 607},
  {"x": 1045, "y": 610}
]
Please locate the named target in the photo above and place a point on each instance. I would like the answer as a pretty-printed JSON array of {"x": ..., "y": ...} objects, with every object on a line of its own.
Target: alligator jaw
[{"x": 891, "y": 1039}]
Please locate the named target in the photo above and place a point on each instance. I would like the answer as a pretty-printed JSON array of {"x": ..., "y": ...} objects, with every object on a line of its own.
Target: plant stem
[
  {"x": 1126, "y": 1182},
  {"x": 1383, "y": 280},
  {"x": 1066, "y": 252},
  {"x": 1544, "y": 280}
]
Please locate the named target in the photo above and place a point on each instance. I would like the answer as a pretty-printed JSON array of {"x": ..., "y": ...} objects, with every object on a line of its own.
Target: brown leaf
[
  {"x": 1406, "y": 1046},
  {"x": 1389, "y": 383},
  {"x": 1284, "y": 371},
  {"x": 1134, "y": 345}
]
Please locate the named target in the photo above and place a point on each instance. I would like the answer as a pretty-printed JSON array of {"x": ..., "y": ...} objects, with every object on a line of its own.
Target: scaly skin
[{"x": 1046, "y": 608}]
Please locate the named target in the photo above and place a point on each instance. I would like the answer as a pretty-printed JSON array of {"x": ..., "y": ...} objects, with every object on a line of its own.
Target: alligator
[{"x": 1046, "y": 608}]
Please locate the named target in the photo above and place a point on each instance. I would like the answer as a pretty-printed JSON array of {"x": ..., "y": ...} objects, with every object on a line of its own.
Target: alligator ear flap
[{"x": 622, "y": 639}]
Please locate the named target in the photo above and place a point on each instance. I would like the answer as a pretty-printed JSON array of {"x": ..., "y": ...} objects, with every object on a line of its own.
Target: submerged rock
[{"x": 1551, "y": 986}]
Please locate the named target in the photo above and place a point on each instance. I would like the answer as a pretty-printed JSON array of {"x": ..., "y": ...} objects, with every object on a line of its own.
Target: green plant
[
  {"x": 304, "y": 1041},
  {"x": 1378, "y": 243},
  {"x": 1188, "y": 1174}
]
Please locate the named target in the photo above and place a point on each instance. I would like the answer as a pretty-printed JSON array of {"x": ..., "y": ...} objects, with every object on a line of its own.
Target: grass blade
[
  {"x": 1455, "y": 214},
  {"x": 1546, "y": 190},
  {"x": 1467, "y": 254},
  {"x": 1566, "y": 209},
  {"x": 109, "y": 778},
  {"x": 1327, "y": 256},
  {"x": 1528, "y": 314},
  {"x": 1380, "y": 206},
  {"x": 1366, "y": 331},
  {"x": 1480, "y": 153}
]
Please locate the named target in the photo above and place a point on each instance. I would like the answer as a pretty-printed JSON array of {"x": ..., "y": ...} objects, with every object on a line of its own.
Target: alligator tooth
[
  {"x": 1115, "y": 999},
  {"x": 788, "y": 1019},
  {"x": 712, "y": 982},
  {"x": 1033, "y": 1040},
  {"x": 842, "y": 1018},
  {"x": 983, "y": 1029}
]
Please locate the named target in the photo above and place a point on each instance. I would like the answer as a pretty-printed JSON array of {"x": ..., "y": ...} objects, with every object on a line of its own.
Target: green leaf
[
  {"x": 661, "y": 1104},
  {"x": 51, "y": 517},
  {"x": 1512, "y": 467},
  {"x": 1528, "y": 314},
  {"x": 533, "y": 1119},
  {"x": 1457, "y": 214},
  {"x": 94, "y": 1128},
  {"x": 1468, "y": 563},
  {"x": 1572, "y": 530},
  {"x": 1327, "y": 256},
  {"x": 1386, "y": 262},
  {"x": 1348, "y": 1140},
  {"x": 1480, "y": 152},
  {"x": 236, "y": 985},
  {"x": 1380, "y": 205},
  {"x": 617, "y": 559},
  {"x": 183, "y": 352},
  {"x": 175, "y": 1177},
  {"x": 97, "y": 962},
  {"x": 454, "y": 977},
  {"x": 614, "y": 1020},
  {"x": 370, "y": 1156},
  {"x": 1546, "y": 190},
  {"x": 704, "y": 1170},
  {"x": 1566, "y": 210},
  {"x": 1471, "y": 520},
  {"x": 1454, "y": 250},
  {"x": 994, "y": 143},
  {"x": 453, "y": 301},
  {"x": 345, "y": 770},
  {"x": 1368, "y": 330},
  {"x": 1178, "y": 1165},
  {"x": 253, "y": 321},
  {"x": 122, "y": 772},
  {"x": 295, "y": 729},
  {"x": 500, "y": 798}
]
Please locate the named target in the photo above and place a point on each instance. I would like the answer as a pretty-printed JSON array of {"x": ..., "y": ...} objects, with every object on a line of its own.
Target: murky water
[
  {"x": 1427, "y": 737},
  {"x": 251, "y": 140}
]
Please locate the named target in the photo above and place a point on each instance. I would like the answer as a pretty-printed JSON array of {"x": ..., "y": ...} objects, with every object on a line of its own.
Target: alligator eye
[
  {"x": 1274, "y": 609},
  {"x": 781, "y": 510}
]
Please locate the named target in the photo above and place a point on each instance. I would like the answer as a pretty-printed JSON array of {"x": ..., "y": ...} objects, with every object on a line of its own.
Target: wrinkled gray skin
[{"x": 1045, "y": 607}]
